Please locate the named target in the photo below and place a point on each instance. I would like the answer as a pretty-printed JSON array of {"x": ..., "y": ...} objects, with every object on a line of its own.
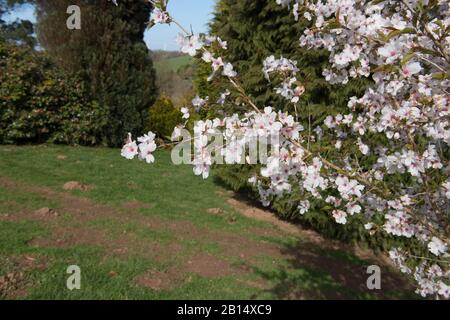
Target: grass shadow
[{"x": 314, "y": 273}]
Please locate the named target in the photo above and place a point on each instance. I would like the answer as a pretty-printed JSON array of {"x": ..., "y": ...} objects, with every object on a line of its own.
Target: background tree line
[{"x": 106, "y": 64}]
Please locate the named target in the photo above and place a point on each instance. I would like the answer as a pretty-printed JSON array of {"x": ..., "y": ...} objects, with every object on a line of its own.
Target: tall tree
[{"x": 108, "y": 52}]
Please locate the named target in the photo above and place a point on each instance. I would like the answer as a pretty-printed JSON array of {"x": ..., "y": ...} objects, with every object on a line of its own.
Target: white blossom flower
[
  {"x": 223, "y": 97},
  {"x": 411, "y": 69},
  {"x": 391, "y": 51},
  {"x": 348, "y": 187},
  {"x": 198, "y": 102},
  {"x": 444, "y": 290},
  {"x": 222, "y": 44},
  {"x": 130, "y": 149},
  {"x": 217, "y": 63},
  {"x": 147, "y": 138},
  {"x": 353, "y": 208},
  {"x": 304, "y": 206},
  {"x": 160, "y": 16},
  {"x": 147, "y": 146},
  {"x": 190, "y": 44},
  {"x": 228, "y": 70},
  {"x": 446, "y": 188},
  {"x": 340, "y": 216},
  {"x": 437, "y": 246},
  {"x": 368, "y": 226},
  {"x": 207, "y": 56},
  {"x": 363, "y": 147},
  {"x": 146, "y": 151},
  {"x": 176, "y": 133}
]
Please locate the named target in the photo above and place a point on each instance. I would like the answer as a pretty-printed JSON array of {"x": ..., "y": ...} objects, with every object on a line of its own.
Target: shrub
[
  {"x": 163, "y": 117},
  {"x": 39, "y": 103}
]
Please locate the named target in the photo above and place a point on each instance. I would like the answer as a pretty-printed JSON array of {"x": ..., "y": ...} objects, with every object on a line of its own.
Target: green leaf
[
  {"x": 424, "y": 50},
  {"x": 386, "y": 68},
  {"x": 441, "y": 75},
  {"x": 407, "y": 58},
  {"x": 409, "y": 30}
]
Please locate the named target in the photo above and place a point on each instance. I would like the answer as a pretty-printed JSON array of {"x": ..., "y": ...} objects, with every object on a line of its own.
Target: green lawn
[{"x": 153, "y": 232}]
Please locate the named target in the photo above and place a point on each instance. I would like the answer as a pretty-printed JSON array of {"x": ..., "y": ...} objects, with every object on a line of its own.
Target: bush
[
  {"x": 38, "y": 103},
  {"x": 164, "y": 117}
]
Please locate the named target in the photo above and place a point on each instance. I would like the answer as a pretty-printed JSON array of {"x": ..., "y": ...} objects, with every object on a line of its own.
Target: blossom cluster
[
  {"x": 193, "y": 44},
  {"x": 290, "y": 88},
  {"x": 404, "y": 48},
  {"x": 144, "y": 150}
]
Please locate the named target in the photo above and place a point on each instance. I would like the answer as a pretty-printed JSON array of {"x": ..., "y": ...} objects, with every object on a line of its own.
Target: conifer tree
[
  {"x": 256, "y": 29},
  {"x": 109, "y": 53}
]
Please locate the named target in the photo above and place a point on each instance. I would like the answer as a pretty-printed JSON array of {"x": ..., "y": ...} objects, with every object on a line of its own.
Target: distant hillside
[
  {"x": 158, "y": 55},
  {"x": 173, "y": 64},
  {"x": 175, "y": 72}
]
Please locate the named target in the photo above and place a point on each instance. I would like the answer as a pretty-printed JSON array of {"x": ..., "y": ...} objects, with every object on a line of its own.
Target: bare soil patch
[
  {"x": 42, "y": 214},
  {"x": 79, "y": 232},
  {"x": 12, "y": 285},
  {"x": 157, "y": 280},
  {"x": 258, "y": 284},
  {"x": 46, "y": 212},
  {"x": 136, "y": 205},
  {"x": 15, "y": 284},
  {"x": 209, "y": 266},
  {"x": 30, "y": 262},
  {"x": 216, "y": 211},
  {"x": 75, "y": 185},
  {"x": 120, "y": 246}
]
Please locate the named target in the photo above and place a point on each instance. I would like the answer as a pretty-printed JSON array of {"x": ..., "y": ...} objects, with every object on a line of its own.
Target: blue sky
[
  {"x": 195, "y": 13},
  {"x": 188, "y": 12}
]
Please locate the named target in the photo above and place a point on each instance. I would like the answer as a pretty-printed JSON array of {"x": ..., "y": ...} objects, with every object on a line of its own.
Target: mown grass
[{"x": 173, "y": 194}]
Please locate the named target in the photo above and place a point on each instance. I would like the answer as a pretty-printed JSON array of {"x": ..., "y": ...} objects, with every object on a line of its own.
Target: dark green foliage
[
  {"x": 164, "y": 117},
  {"x": 255, "y": 30},
  {"x": 40, "y": 103},
  {"x": 108, "y": 53}
]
